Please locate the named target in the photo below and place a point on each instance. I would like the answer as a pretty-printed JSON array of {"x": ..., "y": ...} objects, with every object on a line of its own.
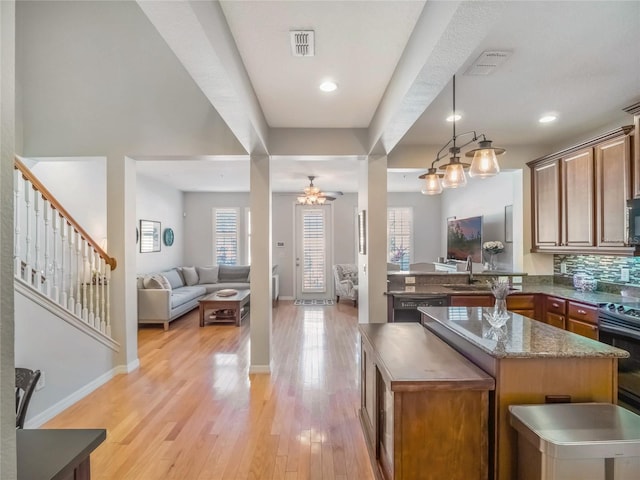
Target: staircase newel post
[
  {"x": 17, "y": 184},
  {"x": 46, "y": 215},
  {"x": 108, "y": 301}
]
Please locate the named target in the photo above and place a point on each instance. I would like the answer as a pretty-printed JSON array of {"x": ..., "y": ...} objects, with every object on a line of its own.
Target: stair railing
[{"x": 56, "y": 256}]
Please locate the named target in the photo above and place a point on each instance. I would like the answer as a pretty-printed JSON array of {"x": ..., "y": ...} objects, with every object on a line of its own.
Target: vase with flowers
[
  {"x": 499, "y": 315},
  {"x": 490, "y": 250}
]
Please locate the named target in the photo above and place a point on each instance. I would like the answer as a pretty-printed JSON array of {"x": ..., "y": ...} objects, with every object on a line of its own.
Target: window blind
[
  {"x": 400, "y": 236},
  {"x": 313, "y": 251},
  {"x": 226, "y": 236}
]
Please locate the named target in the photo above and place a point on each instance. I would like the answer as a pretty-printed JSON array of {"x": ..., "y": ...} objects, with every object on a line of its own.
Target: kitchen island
[{"x": 531, "y": 362}]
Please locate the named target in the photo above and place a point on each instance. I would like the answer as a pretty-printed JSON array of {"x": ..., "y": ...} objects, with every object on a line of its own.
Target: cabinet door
[
  {"x": 554, "y": 319},
  {"x": 368, "y": 392},
  {"x": 524, "y": 313},
  {"x": 581, "y": 328},
  {"x": 546, "y": 204},
  {"x": 578, "y": 199},
  {"x": 612, "y": 191},
  {"x": 472, "y": 300},
  {"x": 385, "y": 427}
]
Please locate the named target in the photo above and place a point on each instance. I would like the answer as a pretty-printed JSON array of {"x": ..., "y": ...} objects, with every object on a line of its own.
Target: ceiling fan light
[
  {"x": 321, "y": 200},
  {"x": 454, "y": 176}
]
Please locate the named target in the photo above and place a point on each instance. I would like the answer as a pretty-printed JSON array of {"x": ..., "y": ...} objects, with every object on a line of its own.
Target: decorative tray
[{"x": 227, "y": 292}]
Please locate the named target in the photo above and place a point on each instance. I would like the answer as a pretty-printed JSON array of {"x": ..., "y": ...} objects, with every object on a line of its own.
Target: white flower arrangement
[{"x": 494, "y": 247}]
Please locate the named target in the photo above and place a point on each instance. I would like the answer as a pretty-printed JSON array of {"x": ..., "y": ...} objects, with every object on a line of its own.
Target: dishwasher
[{"x": 405, "y": 309}]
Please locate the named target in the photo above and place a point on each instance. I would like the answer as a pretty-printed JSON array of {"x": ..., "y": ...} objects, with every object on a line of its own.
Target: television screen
[{"x": 464, "y": 238}]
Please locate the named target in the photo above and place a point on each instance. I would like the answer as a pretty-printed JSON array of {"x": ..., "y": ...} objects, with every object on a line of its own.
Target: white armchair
[{"x": 346, "y": 279}]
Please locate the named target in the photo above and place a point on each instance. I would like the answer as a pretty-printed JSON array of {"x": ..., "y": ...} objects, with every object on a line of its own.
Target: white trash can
[{"x": 577, "y": 441}]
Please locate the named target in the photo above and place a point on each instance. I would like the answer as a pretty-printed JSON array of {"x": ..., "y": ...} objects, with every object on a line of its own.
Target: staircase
[{"x": 56, "y": 263}]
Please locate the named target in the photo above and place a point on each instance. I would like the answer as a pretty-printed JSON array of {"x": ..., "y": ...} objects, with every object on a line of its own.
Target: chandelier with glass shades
[
  {"x": 484, "y": 163},
  {"x": 312, "y": 195}
]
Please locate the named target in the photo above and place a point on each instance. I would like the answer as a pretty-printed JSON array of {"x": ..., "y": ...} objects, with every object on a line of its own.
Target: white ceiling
[{"x": 579, "y": 60}]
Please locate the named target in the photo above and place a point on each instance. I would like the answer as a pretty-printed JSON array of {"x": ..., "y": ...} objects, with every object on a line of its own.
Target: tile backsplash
[{"x": 604, "y": 268}]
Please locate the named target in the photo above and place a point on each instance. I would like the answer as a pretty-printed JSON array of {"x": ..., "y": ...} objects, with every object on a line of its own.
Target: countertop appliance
[
  {"x": 405, "y": 309},
  {"x": 619, "y": 326}
]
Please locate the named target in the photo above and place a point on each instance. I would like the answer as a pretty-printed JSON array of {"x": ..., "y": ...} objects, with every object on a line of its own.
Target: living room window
[
  {"x": 226, "y": 236},
  {"x": 400, "y": 236}
]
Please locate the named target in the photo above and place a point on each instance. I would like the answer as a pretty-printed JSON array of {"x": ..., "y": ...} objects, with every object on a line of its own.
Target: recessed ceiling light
[
  {"x": 452, "y": 118},
  {"x": 547, "y": 118},
  {"x": 328, "y": 86}
]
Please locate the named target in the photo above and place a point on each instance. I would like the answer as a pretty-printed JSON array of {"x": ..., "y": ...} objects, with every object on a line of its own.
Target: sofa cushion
[
  {"x": 175, "y": 279},
  {"x": 207, "y": 274},
  {"x": 190, "y": 276},
  {"x": 156, "y": 281},
  {"x": 233, "y": 273},
  {"x": 183, "y": 295}
]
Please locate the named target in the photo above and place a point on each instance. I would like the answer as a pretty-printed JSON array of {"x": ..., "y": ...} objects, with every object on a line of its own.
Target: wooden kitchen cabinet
[
  {"x": 524, "y": 304},
  {"x": 431, "y": 404},
  {"x": 554, "y": 311},
  {"x": 472, "y": 300},
  {"x": 579, "y": 197},
  {"x": 582, "y": 319}
]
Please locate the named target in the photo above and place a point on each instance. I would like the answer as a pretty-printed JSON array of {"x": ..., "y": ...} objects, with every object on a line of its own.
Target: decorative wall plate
[{"x": 168, "y": 237}]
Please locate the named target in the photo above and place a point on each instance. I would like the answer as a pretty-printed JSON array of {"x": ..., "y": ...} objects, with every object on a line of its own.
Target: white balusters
[
  {"x": 100, "y": 311},
  {"x": 46, "y": 214},
  {"x": 28, "y": 273},
  {"x": 17, "y": 259},
  {"x": 92, "y": 309},
  {"x": 71, "y": 302},
  {"x": 86, "y": 279},
  {"x": 79, "y": 273},
  {"x": 107, "y": 329},
  {"x": 37, "y": 202},
  {"x": 56, "y": 221},
  {"x": 63, "y": 276}
]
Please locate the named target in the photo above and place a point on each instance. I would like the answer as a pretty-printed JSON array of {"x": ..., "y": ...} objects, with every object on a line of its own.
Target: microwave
[{"x": 633, "y": 221}]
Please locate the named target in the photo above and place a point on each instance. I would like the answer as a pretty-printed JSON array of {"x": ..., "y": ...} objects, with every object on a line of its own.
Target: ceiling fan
[{"x": 312, "y": 195}]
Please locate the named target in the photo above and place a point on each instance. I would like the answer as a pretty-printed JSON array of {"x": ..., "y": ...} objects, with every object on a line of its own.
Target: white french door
[{"x": 314, "y": 278}]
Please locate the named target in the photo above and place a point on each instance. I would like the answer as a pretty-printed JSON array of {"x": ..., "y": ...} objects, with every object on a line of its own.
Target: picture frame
[
  {"x": 149, "y": 236},
  {"x": 508, "y": 224},
  {"x": 362, "y": 232}
]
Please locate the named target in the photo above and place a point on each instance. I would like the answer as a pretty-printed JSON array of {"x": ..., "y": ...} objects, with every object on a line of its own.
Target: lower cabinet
[
  {"x": 576, "y": 317},
  {"x": 524, "y": 304},
  {"x": 422, "y": 423}
]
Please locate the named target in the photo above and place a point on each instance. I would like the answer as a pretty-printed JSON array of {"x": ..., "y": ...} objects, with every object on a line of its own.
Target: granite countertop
[{"x": 521, "y": 337}]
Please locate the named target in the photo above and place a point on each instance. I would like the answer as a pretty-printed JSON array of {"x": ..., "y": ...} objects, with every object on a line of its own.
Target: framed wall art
[{"x": 149, "y": 236}]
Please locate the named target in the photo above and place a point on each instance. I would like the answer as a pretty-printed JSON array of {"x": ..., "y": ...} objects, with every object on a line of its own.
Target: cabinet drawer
[
  {"x": 472, "y": 300},
  {"x": 583, "y": 312},
  {"x": 588, "y": 330},
  {"x": 554, "y": 319},
  {"x": 555, "y": 305},
  {"x": 521, "y": 302}
]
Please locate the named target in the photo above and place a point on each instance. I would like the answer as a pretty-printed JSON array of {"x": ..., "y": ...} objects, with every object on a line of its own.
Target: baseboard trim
[
  {"x": 260, "y": 369},
  {"x": 49, "y": 413}
]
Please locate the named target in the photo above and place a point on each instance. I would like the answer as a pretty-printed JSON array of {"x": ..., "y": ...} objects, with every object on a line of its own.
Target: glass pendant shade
[
  {"x": 484, "y": 164},
  {"x": 432, "y": 185},
  {"x": 454, "y": 176}
]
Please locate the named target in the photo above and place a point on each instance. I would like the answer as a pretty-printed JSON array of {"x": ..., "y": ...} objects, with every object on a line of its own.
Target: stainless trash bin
[{"x": 576, "y": 441}]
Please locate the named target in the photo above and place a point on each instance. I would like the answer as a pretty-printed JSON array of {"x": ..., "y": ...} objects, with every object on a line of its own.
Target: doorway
[{"x": 314, "y": 255}]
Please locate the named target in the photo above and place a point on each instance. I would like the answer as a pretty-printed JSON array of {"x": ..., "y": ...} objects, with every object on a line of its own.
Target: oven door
[{"x": 628, "y": 368}]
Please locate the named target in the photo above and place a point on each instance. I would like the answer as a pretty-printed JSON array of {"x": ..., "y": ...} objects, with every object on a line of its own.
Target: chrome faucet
[{"x": 469, "y": 268}]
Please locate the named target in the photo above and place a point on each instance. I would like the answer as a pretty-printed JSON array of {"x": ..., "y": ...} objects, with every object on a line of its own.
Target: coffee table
[{"x": 233, "y": 308}]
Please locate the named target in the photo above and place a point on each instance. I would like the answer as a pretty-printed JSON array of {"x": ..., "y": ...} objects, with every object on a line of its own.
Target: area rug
[{"x": 316, "y": 303}]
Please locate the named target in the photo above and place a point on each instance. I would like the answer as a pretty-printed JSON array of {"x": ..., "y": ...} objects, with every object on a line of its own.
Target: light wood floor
[{"x": 192, "y": 411}]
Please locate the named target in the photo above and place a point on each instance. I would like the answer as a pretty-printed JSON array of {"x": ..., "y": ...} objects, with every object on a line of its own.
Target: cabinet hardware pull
[
  {"x": 555, "y": 305},
  {"x": 582, "y": 312}
]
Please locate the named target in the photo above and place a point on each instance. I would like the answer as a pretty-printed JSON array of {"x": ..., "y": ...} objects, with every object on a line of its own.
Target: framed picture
[
  {"x": 149, "y": 236},
  {"x": 508, "y": 223},
  {"x": 362, "y": 232}
]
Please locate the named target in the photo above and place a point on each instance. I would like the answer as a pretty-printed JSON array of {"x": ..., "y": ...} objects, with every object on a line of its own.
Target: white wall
[
  {"x": 69, "y": 359},
  {"x": 80, "y": 185},
  {"x": 488, "y": 198},
  {"x": 161, "y": 203}
]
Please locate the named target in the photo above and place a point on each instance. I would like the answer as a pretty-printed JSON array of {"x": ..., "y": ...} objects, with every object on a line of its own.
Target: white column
[
  {"x": 122, "y": 295},
  {"x": 260, "y": 204},
  {"x": 372, "y": 267}
]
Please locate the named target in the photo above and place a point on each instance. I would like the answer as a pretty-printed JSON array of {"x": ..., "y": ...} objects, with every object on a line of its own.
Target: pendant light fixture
[{"x": 484, "y": 163}]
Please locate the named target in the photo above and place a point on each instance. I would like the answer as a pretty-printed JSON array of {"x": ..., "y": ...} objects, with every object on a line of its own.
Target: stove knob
[
  {"x": 611, "y": 306},
  {"x": 620, "y": 308}
]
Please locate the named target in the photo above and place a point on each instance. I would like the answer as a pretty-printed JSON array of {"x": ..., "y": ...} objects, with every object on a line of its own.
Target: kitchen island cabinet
[
  {"x": 532, "y": 363},
  {"x": 424, "y": 407}
]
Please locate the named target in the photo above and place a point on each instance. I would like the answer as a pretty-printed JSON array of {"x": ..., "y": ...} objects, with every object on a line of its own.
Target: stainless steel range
[{"x": 619, "y": 326}]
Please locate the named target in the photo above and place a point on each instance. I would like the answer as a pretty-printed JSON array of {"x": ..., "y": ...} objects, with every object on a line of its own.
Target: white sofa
[{"x": 167, "y": 295}]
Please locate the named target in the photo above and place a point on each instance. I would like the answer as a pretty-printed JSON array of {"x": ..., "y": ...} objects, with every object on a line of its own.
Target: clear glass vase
[{"x": 500, "y": 307}]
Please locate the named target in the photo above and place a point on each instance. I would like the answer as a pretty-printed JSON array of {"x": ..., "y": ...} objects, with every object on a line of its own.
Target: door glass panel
[{"x": 313, "y": 251}]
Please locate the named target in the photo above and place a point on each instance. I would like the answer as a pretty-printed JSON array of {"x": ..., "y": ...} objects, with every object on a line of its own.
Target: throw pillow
[
  {"x": 190, "y": 275},
  {"x": 156, "y": 281},
  {"x": 174, "y": 278},
  {"x": 207, "y": 275}
]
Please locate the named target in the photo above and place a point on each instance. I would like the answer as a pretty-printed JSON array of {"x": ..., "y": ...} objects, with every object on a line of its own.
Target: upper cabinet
[{"x": 579, "y": 197}]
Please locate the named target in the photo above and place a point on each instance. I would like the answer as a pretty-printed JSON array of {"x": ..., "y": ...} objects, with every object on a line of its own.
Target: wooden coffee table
[{"x": 224, "y": 309}]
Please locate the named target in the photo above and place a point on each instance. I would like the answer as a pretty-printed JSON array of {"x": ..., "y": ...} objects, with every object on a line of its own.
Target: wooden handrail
[{"x": 55, "y": 204}]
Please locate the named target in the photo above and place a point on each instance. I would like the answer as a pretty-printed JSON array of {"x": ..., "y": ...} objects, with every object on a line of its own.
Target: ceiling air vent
[
  {"x": 302, "y": 43},
  {"x": 487, "y": 62}
]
